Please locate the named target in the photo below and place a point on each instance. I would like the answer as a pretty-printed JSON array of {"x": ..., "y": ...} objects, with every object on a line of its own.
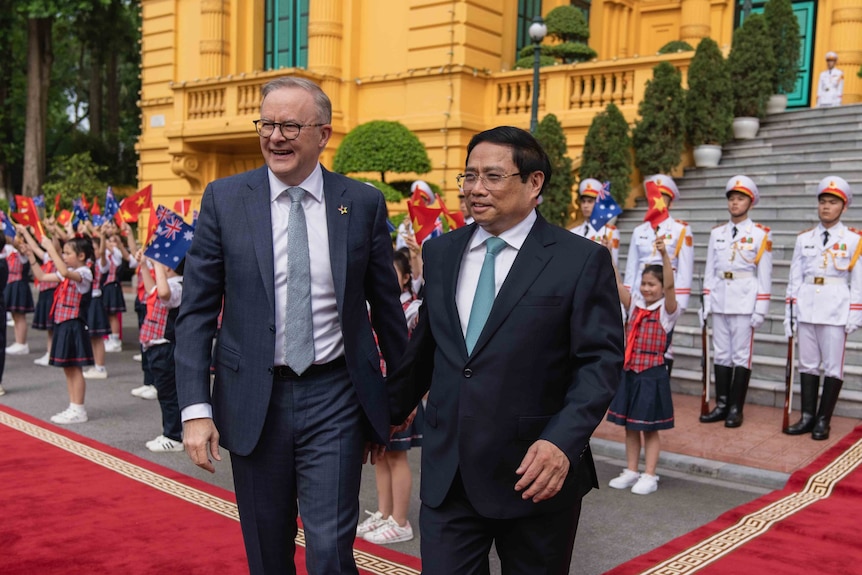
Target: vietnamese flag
[
  {"x": 424, "y": 219},
  {"x": 95, "y": 210},
  {"x": 153, "y": 222},
  {"x": 64, "y": 217},
  {"x": 136, "y": 203},
  {"x": 28, "y": 215},
  {"x": 182, "y": 206},
  {"x": 456, "y": 219},
  {"x": 84, "y": 203},
  {"x": 56, "y": 203},
  {"x": 657, "y": 206}
]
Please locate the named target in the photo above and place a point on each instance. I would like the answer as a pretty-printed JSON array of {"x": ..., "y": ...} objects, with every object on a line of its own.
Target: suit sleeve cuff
[{"x": 197, "y": 411}]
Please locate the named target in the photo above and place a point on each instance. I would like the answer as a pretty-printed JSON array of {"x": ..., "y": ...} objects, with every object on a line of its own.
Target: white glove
[
  {"x": 702, "y": 315},
  {"x": 756, "y": 320},
  {"x": 850, "y": 328},
  {"x": 789, "y": 327}
]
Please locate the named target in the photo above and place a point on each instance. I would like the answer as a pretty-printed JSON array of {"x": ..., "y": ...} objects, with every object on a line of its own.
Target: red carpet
[
  {"x": 810, "y": 526},
  {"x": 71, "y": 505}
]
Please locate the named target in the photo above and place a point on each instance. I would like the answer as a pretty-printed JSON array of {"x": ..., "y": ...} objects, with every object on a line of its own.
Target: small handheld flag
[
  {"x": 171, "y": 240},
  {"x": 606, "y": 208},
  {"x": 657, "y": 206}
]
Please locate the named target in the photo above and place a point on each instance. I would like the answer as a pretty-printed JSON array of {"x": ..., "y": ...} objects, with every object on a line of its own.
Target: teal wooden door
[{"x": 806, "y": 13}]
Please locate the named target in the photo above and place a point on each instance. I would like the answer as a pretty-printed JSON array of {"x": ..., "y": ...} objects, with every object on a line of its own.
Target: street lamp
[{"x": 538, "y": 31}]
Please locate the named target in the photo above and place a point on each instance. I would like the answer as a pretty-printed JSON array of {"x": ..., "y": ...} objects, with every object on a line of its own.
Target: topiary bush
[
  {"x": 381, "y": 146},
  {"x": 659, "y": 135},
  {"x": 675, "y": 46},
  {"x": 556, "y": 203},
  {"x": 568, "y": 25},
  {"x": 786, "y": 44},
  {"x": 708, "y": 101},
  {"x": 751, "y": 64},
  {"x": 607, "y": 153}
]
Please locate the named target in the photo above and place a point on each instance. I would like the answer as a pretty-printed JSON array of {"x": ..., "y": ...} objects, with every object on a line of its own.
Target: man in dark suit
[
  {"x": 293, "y": 253},
  {"x": 521, "y": 361}
]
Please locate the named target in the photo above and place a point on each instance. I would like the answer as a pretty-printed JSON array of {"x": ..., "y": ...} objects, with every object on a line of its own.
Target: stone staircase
[{"x": 791, "y": 154}]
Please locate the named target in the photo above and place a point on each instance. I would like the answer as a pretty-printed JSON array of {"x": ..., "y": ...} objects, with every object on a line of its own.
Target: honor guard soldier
[
  {"x": 608, "y": 235},
  {"x": 736, "y": 290},
  {"x": 825, "y": 290},
  {"x": 830, "y": 86}
]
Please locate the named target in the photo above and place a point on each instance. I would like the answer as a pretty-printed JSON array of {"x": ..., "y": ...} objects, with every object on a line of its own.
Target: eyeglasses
[
  {"x": 289, "y": 130},
  {"x": 491, "y": 182}
]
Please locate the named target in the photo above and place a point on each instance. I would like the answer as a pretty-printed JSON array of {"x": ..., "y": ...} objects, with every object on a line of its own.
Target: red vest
[
  {"x": 159, "y": 322},
  {"x": 646, "y": 340},
  {"x": 48, "y": 268},
  {"x": 112, "y": 272},
  {"x": 69, "y": 303},
  {"x": 16, "y": 267}
]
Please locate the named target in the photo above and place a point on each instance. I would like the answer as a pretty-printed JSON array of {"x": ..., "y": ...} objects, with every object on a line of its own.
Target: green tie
[{"x": 485, "y": 292}]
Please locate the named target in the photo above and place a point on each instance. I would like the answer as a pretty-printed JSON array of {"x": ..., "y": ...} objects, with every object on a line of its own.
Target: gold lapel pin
[{"x": 342, "y": 209}]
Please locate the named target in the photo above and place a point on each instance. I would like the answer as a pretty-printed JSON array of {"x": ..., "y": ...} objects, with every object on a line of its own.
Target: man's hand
[
  {"x": 543, "y": 471},
  {"x": 200, "y": 438},
  {"x": 373, "y": 452}
]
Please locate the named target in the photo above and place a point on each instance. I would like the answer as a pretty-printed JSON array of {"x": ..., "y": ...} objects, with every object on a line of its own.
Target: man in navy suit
[
  {"x": 298, "y": 392},
  {"x": 515, "y": 392}
]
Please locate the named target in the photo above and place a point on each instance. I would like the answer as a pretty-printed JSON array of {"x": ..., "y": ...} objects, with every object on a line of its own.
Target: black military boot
[
  {"x": 738, "y": 390},
  {"x": 808, "y": 405},
  {"x": 723, "y": 375},
  {"x": 828, "y": 399}
]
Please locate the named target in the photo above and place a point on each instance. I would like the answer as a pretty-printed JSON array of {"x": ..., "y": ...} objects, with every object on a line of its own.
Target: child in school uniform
[
  {"x": 643, "y": 401},
  {"x": 4, "y": 274},
  {"x": 71, "y": 348},
  {"x": 42, "y": 316},
  {"x": 112, "y": 293},
  {"x": 97, "y": 319},
  {"x": 164, "y": 293},
  {"x": 19, "y": 298}
]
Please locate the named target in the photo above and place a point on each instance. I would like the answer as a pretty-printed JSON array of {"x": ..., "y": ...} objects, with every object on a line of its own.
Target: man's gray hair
[{"x": 321, "y": 100}]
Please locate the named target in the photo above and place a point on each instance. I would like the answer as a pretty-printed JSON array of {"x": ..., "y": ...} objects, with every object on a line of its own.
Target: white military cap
[
  {"x": 590, "y": 187},
  {"x": 665, "y": 184},
  {"x": 831, "y": 56},
  {"x": 744, "y": 185},
  {"x": 837, "y": 187}
]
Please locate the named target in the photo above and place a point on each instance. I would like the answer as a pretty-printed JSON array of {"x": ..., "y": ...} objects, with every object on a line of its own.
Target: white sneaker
[
  {"x": 163, "y": 444},
  {"x": 113, "y": 345},
  {"x": 95, "y": 373},
  {"x": 69, "y": 415},
  {"x": 390, "y": 532},
  {"x": 646, "y": 484},
  {"x": 149, "y": 393},
  {"x": 625, "y": 479},
  {"x": 2, "y": 391},
  {"x": 373, "y": 521},
  {"x": 137, "y": 357},
  {"x": 44, "y": 360},
  {"x": 18, "y": 349}
]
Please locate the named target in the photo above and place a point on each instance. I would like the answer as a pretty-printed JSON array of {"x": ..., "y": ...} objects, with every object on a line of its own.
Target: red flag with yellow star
[
  {"x": 423, "y": 219},
  {"x": 28, "y": 215},
  {"x": 136, "y": 203},
  {"x": 455, "y": 219},
  {"x": 657, "y": 206}
]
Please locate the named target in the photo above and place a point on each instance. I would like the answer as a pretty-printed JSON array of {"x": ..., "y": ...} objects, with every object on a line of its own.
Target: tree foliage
[
  {"x": 786, "y": 44},
  {"x": 75, "y": 176},
  {"x": 556, "y": 203},
  {"x": 751, "y": 65},
  {"x": 381, "y": 146},
  {"x": 658, "y": 136},
  {"x": 708, "y": 101},
  {"x": 607, "y": 152},
  {"x": 675, "y": 46},
  {"x": 568, "y": 25}
]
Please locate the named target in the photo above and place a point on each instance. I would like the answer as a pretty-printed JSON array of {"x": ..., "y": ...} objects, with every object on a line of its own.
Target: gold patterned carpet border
[
  {"x": 751, "y": 526},
  {"x": 364, "y": 560}
]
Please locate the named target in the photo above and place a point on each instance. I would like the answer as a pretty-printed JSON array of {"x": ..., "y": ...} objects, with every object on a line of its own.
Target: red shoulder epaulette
[
  {"x": 681, "y": 222},
  {"x": 762, "y": 227},
  {"x": 610, "y": 227},
  {"x": 855, "y": 231}
]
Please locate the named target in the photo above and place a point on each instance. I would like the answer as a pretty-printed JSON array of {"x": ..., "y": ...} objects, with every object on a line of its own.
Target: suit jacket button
[
  {"x": 468, "y": 372},
  {"x": 270, "y": 370},
  {"x": 272, "y": 328}
]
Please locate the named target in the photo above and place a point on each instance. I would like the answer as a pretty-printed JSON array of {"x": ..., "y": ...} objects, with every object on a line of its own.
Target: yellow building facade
[{"x": 442, "y": 68}]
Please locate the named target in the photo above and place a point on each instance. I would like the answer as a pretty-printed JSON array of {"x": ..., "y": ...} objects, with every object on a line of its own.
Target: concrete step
[{"x": 759, "y": 148}]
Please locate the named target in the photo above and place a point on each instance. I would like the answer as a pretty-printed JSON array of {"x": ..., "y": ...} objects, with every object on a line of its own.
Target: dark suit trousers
[
  {"x": 310, "y": 451},
  {"x": 457, "y": 540}
]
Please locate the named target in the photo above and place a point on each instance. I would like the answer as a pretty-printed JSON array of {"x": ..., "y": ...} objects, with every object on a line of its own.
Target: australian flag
[
  {"x": 79, "y": 213},
  {"x": 8, "y": 226},
  {"x": 606, "y": 208},
  {"x": 171, "y": 241},
  {"x": 111, "y": 205}
]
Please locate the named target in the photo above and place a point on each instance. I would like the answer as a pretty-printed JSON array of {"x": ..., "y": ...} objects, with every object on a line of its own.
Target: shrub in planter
[
  {"x": 786, "y": 42},
  {"x": 556, "y": 203},
  {"x": 708, "y": 101},
  {"x": 751, "y": 65},
  {"x": 607, "y": 153},
  {"x": 658, "y": 136},
  {"x": 569, "y": 27}
]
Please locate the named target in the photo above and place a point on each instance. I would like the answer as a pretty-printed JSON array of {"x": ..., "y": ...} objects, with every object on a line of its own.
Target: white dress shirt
[{"x": 474, "y": 257}]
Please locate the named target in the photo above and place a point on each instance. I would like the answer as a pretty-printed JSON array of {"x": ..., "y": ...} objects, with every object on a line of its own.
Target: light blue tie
[
  {"x": 485, "y": 292},
  {"x": 298, "y": 334}
]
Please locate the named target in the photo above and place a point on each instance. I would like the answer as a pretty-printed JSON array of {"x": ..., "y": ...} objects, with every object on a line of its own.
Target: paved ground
[{"x": 705, "y": 469}]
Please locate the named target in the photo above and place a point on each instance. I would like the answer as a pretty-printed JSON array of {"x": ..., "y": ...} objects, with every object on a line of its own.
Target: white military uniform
[
  {"x": 830, "y": 88},
  {"x": 608, "y": 232},
  {"x": 737, "y": 284},
  {"x": 825, "y": 289},
  {"x": 680, "y": 248}
]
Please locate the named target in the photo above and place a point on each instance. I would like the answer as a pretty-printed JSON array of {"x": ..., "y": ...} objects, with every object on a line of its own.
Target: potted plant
[
  {"x": 784, "y": 30},
  {"x": 659, "y": 135},
  {"x": 751, "y": 65},
  {"x": 569, "y": 27},
  {"x": 708, "y": 104}
]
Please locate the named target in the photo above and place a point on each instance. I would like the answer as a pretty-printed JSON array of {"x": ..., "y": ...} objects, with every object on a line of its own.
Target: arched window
[{"x": 286, "y": 43}]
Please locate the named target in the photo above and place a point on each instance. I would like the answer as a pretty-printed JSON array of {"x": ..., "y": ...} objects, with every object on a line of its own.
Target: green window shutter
[{"x": 286, "y": 36}]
